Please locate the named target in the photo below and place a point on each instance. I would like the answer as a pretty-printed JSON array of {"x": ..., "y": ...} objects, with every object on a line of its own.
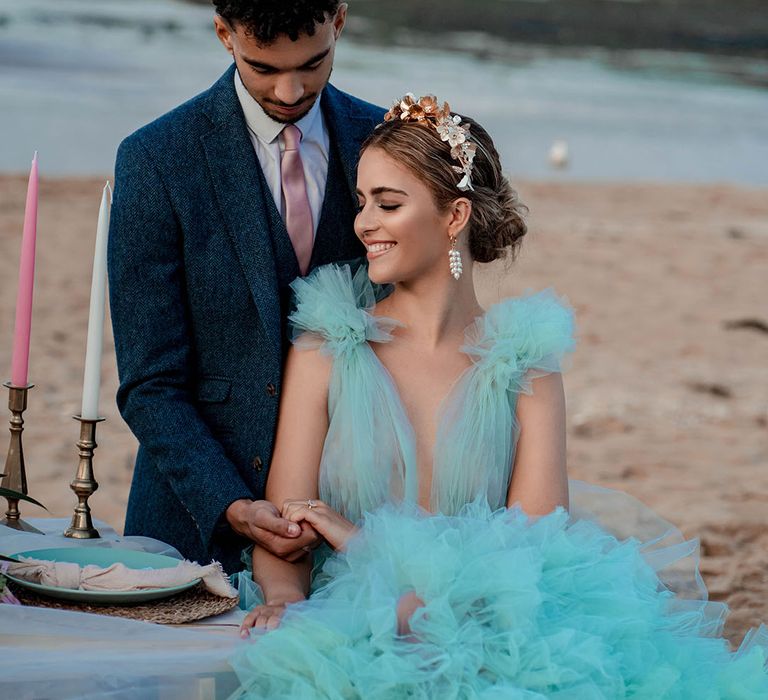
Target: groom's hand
[
  {"x": 261, "y": 522},
  {"x": 333, "y": 526}
]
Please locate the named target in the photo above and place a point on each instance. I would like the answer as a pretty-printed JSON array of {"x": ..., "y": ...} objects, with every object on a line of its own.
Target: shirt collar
[{"x": 266, "y": 128}]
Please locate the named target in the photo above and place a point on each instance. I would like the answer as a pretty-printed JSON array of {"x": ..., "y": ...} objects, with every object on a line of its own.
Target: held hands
[
  {"x": 310, "y": 517},
  {"x": 335, "y": 528},
  {"x": 261, "y": 522}
]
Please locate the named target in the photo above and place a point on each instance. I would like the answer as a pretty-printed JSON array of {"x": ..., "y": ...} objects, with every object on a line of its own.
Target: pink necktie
[{"x": 298, "y": 214}]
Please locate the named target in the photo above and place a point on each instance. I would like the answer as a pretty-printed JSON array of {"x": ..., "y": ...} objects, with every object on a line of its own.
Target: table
[{"x": 63, "y": 654}]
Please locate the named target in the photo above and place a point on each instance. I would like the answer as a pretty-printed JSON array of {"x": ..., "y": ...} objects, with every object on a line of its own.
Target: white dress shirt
[{"x": 313, "y": 149}]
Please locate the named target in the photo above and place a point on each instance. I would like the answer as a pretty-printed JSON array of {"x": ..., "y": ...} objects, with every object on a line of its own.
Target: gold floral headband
[{"x": 448, "y": 126}]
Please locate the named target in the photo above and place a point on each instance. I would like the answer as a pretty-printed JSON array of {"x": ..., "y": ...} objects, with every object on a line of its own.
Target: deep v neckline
[{"x": 439, "y": 414}]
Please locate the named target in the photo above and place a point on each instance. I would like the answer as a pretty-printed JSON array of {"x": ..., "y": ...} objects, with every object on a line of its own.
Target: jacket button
[
  {"x": 271, "y": 389},
  {"x": 258, "y": 464}
]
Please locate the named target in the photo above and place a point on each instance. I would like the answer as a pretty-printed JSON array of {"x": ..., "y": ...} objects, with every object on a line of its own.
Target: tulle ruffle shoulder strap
[
  {"x": 333, "y": 311},
  {"x": 522, "y": 338}
]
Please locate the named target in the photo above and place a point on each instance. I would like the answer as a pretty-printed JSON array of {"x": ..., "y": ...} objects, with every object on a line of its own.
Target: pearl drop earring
[{"x": 454, "y": 260}]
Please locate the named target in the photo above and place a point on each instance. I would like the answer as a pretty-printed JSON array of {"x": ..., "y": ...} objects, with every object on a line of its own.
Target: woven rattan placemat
[{"x": 195, "y": 604}]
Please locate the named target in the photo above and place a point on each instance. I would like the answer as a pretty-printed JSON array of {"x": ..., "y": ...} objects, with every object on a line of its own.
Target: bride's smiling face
[{"x": 399, "y": 222}]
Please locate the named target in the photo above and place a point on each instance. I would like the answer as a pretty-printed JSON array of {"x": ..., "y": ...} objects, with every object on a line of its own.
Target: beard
[{"x": 306, "y": 104}]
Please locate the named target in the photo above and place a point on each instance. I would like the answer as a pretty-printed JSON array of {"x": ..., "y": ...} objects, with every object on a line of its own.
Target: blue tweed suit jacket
[{"x": 194, "y": 271}]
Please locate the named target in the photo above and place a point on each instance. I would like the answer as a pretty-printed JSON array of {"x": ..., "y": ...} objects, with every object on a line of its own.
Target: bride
[{"x": 424, "y": 440}]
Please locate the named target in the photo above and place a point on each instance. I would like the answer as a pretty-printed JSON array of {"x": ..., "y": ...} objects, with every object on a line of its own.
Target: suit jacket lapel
[
  {"x": 347, "y": 127},
  {"x": 234, "y": 171}
]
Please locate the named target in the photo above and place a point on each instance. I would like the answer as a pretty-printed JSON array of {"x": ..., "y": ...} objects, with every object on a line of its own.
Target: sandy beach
[{"x": 667, "y": 393}]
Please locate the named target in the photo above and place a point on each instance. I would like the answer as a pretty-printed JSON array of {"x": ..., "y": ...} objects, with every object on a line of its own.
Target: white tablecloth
[{"x": 61, "y": 654}]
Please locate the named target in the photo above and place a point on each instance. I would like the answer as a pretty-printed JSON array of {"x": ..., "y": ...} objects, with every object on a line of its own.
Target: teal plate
[{"x": 102, "y": 557}]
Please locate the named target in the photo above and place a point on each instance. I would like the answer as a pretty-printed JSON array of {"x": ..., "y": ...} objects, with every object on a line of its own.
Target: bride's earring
[{"x": 454, "y": 259}]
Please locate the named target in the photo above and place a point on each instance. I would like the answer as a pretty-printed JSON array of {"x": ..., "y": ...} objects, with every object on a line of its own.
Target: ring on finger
[{"x": 311, "y": 504}]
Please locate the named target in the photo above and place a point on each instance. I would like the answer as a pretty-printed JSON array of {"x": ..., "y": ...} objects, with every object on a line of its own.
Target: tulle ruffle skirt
[{"x": 513, "y": 608}]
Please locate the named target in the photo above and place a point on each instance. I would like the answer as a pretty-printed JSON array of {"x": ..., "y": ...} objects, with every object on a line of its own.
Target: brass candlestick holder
[
  {"x": 14, "y": 474},
  {"x": 84, "y": 484}
]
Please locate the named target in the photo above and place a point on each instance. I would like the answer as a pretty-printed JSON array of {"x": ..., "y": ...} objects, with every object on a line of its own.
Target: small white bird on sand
[{"x": 558, "y": 154}]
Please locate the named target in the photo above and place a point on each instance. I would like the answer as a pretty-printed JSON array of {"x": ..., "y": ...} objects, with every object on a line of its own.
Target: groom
[{"x": 218, "y": 206}]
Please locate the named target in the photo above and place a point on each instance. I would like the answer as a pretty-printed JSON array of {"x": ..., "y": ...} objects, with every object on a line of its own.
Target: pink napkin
[{"x": 118, "y": 577}]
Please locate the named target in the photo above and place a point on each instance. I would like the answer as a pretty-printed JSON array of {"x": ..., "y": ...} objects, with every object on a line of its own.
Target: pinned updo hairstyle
[{"x": 496, "y": 226}]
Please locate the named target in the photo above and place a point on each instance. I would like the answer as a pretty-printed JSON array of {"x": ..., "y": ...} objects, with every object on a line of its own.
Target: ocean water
[{"x": 76, "y": 76}]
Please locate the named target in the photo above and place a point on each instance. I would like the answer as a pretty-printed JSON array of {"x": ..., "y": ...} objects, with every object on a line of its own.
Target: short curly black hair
[{"x": 266, "y": 20}]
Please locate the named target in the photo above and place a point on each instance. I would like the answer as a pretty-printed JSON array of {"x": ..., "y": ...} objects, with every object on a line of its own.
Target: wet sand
[{"x": 666, "y": 398}]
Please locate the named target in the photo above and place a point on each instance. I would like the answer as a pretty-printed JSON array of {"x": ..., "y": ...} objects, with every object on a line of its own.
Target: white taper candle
[{"x": 93, "y": 348}]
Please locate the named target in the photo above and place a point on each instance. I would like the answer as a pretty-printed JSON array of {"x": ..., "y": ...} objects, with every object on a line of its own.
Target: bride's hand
[
  {"x": 335, "y": 528},
  {"x": 266, "y": 616}
]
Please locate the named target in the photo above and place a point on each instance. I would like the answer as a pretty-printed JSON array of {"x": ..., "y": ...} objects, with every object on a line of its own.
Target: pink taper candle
[{"x": 20, "y": 361}]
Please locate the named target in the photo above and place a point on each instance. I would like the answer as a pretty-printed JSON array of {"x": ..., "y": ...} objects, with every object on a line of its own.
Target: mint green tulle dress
[{"x": 601, "y": 602}]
